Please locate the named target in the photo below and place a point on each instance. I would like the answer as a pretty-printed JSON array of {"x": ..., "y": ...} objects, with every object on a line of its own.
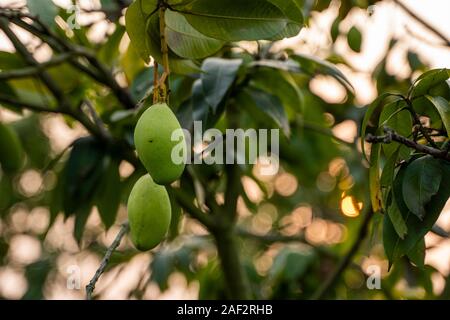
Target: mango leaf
[
  {"x": 396, "y": 218},
  {"x": 313, "y": 66},
  {"x": 187, "y": 42},
  {"x": 443, "y": 108},
  {"x": 136, "y": 26},
  {"x": 281, "y": 84},
  {"x": 374, "y": 178},
  {"x": 387, "y": 176},
  {"x": 421, "y": 182},
  {"x": 291, "y": 264},
  {"x": 36, "y": 274},
  {"x": 428, "y": 81},
  {"x": 108, "y": 193},
  {"x": 236, "y": 20},
  {"x": 144, "y": 33},
  {"x": 397, "y": 117},
  {"x": 417, "y": 254},
  {"x": 217, "y": 77},
  {"x": 271, "y": 105},
  {"x": 417, "y": 229},
  {"x": 46, "y": 11},
  {"x": 82, "y": 174},
  {"x": 372, "y": 116},
  {"x": 354, "y": 39},
  {"x": 292, "y": 10}
]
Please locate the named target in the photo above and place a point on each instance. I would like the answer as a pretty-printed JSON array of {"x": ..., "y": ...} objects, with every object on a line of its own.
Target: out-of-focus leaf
[
  {"x": 108, "y": 193},
  {"x": 36, "y": 274},
  {"x": 428, "y": 81},
  {"x": 354, "y": 39},
  {"x": 421, "y": 182},
  {"x": 217, "y": 77},
  {"x": 46, "y": 11}
]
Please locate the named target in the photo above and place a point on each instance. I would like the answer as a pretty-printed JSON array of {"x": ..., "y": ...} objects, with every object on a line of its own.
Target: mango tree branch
[
  {"x": 100, "y": 72},
  {"x": 91, "y": 286},
  {"x": 36, "y": 70},
  {"x": 391, "y": 135}
]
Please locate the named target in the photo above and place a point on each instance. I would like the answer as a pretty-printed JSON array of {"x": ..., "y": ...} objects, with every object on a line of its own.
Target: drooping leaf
[
  {"x": 236, "y": 20},
  {"x": 313, "y": 66},
  {"x": 421, "y": 182},
  {"x": 270, "y": 105},
  {"x": 108, "y": 193},
  {"x": 396, "y": 218},
  {"x": 417, "y": 254},
  {"x": 187, "y": 42},
  {"x": 217, "y": 77},
  {"x": 417, "y": 229}
]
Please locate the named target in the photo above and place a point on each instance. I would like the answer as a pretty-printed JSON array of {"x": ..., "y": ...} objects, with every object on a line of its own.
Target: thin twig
[
  {"x": 391, "y": 135},
  {"x": 95, "y": 117},
  {"x": 331, "y": 281},
  {"x": 91, "y": 286},
  {"x": 423, "y": 22}
]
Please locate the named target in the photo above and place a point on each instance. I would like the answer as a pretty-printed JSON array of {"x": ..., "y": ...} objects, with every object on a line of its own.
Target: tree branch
[
  {"x": 91, "y": 286},
  {"x": 423, "y": 22},
  {"x": 391, "y": 135},
  {"x": 331, "y": 281},
  {"x": 35, "y": 70}
]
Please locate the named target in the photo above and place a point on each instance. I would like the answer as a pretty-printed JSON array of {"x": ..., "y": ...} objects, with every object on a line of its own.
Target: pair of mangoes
[
  {"x": 149, "y": 209},
  {"x": 11, "y": 152}
]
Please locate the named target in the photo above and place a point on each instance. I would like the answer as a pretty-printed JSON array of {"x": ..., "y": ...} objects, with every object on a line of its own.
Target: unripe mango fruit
[
  {"x": 153, "y": 140},
  {"x": 11, "y": 151},
  {"x": 149, "y": 213}
]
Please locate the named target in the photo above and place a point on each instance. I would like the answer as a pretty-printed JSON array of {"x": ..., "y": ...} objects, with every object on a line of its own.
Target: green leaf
[
  {"x": 374, "y": 178},
  {"x": 187, "y": 42},
  {"x": 217, "y": 77},
  {"x": 162, "y": 266},
  {"x": 46, "y": 11},
  {"x": 334, "y": 32},
  {"x": 144, "y": 34},
  {"x": 397, "y": 117},
  {"x": 82, "y": 174},
  {"x": 443, "y": 108},
  {"x": 396, "y": 218},
  {"x": 291, "y": 264},
  {"x": 371, "y": 117},
  {"x": 136, "y": 25},
  {"x": 387, "y": 176},
  {"x": 292, "y": 10},
  {"x": 271, "y": 106},
  {"x": 428, "y": 81},
  {"x": 421, "y": 182},
  {"x": 279, "y": 83},
  {"x": 417, "y": 229},
  {"x": 417, "y": 254},
  {"x": 313, "y": 66},
  {"x": 108, "y": 193},
  {"x": 354, "y": 39},
  {"x": 236, "y": 20}
]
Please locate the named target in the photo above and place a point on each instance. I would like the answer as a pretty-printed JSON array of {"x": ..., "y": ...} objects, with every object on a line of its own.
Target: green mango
[
  {"x": 149, "y": 213},
  {"x": 11, "y": 152},
  {"x": 153, "y": 140}
]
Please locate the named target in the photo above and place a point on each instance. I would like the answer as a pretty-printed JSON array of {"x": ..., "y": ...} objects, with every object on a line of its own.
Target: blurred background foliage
[{"x": 64, "y": 206}]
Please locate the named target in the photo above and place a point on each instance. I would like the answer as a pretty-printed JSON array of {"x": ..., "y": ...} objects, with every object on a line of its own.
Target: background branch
[{"x": 91, "y": 286}]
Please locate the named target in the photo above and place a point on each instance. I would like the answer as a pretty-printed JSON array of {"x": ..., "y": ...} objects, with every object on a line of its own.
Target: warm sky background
[{"x": 387, "y": 20}]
